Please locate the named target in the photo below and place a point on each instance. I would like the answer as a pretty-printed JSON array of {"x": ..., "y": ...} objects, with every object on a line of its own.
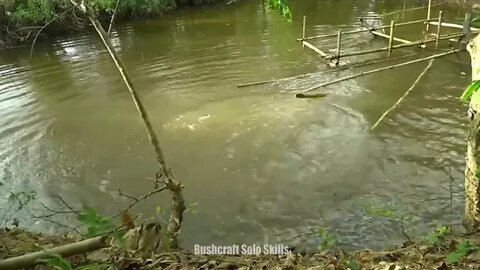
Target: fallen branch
[
  {"x": 404, "y": 95},
  {"x": 31, "y": 259},
  {"x": 175, "y": 188},
  {"x": 376, "y": 70}
]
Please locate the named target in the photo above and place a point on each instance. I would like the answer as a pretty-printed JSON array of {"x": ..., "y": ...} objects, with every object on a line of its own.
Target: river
[{"x": 261, "y": 165}]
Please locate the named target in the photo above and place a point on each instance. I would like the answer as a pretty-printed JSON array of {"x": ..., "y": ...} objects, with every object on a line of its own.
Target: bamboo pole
[
  {"x": 366, "y": 63},
  {"x": 414, "y": 43},
  {"x": 303, "y": 30},
  {"x": 404, "y": 95},
  {"x": 317, "y": 50},
  {"x": 453, "y": 25},
  {"x": 175, "y": 187},
  {"x": 303, "y": 93},
  {"x": 30, "y": 259},
  {"x": 365, "y": 30},
  {"x": 439, "y": 28},
  {"x": 394, "y": 38},
  {"x": 390, "y": 39},
  {"x": 339, "y": 43},
  {"x": 428, "y": 14}
]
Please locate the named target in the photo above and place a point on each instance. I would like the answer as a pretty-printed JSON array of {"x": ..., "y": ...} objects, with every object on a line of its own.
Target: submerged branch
[{"x": 404, "y": 95}]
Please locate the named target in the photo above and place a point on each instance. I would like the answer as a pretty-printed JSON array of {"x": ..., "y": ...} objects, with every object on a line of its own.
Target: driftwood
[
  {"x": 404, "y": 95},
  {"x": 326, "y": 71},
  {"x": 365, "y": 30},
  {"x": 29, "y": 260},
  {"x": 384, "y": 49},
  {"x": 175, "y": 188},
  {"x": 304, "y": 93}
]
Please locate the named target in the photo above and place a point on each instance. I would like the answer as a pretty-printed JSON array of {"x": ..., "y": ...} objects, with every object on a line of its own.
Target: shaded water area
[{"x": 262, "y": 165}]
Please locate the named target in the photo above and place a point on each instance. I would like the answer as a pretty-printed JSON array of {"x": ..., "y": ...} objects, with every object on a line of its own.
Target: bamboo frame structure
[
  {"x": 339, "y": 43},
  {"x": 394, "y": 38},
  {"x": 390, "y": 38},
  {"x": 439, "y": 28},
  {"x": 453, "y": 25},
  {"x": 384, "y": 49},
  {"x": 365, "y": 30},
  {"x": 429, "y": 9}
]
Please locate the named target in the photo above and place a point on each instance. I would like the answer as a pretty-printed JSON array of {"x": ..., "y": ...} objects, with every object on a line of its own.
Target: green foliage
[
  {"x": 471, "y": 89},
  {"x": 57, "y": 262},
  {"x": 435, "y": 237},
  {"x": 282, "y": 6},
  {"x": 33, "y": 11},
  {"x": 462, "y": 249},
  {"x": 95, "y": 223},
  {"x": 133, "y": 8},
  {"x": 327, "y": 240}
]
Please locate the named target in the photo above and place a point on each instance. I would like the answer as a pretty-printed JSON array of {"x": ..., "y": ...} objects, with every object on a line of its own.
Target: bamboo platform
[{"x": 394, "y": 42}]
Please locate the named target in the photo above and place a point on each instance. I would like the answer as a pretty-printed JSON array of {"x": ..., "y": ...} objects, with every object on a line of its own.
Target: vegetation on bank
[{"x": 21, "y": 20}]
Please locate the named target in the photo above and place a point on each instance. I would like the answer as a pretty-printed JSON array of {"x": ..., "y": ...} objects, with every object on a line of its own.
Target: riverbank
[
  {"x": 21, "y": 21},
  {"x": 449, "y": 253}
]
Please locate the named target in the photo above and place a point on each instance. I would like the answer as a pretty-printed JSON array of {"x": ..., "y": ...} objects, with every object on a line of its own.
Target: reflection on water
[{"x": 262, "y": 165}]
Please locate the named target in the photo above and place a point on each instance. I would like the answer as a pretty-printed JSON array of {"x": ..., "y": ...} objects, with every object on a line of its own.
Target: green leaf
[
  {"x": 56, "y": 261},
  {"x": 96, "y": 224},
  {"x": 471, "y": 89},
  {"x": 454, "y": 257}
]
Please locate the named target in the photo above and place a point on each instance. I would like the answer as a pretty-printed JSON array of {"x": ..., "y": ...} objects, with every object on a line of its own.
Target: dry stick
[
  {"x": 384, "y": 49},
  {"x": 178, "y": 204},
  {"x": 325, "y": 71},
  {"x": 376, "y": 70},
  {"x": 29, "y": 260},
  {"x": 404, "y": 95},
  {"x": 365, "y": 30},
  {"x": 113, "y": 17}
]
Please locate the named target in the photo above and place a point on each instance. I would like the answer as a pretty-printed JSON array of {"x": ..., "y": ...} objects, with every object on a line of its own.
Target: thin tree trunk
[
  {"x": 472, "y": 188},
  {"x": 175, "y": 187}
]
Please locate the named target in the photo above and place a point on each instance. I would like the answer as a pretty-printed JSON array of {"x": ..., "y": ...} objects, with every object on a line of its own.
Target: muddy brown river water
[{"x": 262, "y": 165}]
